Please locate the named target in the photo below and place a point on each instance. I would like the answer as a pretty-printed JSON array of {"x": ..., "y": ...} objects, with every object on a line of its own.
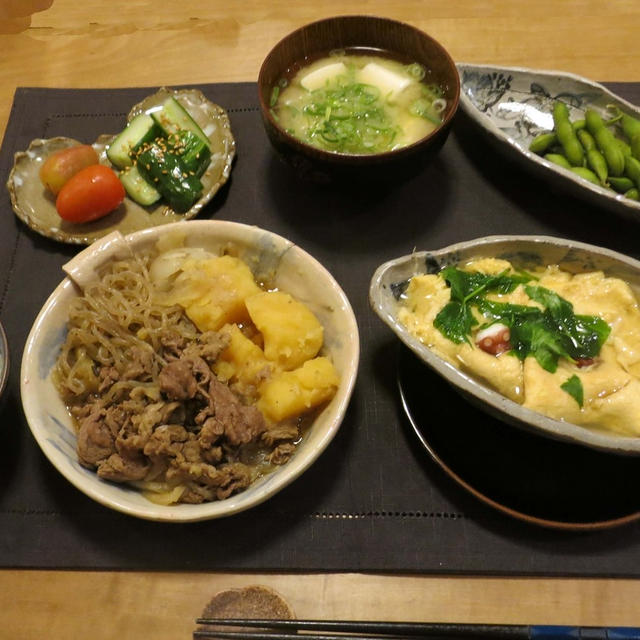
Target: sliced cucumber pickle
[
  {"x": 137, "y": 188},
  {"x": 140, "y": 130},
  {"x": 164, "y": 171},
  {"x": 194, "y": 154},
  {"x": 173, "y": 117}
]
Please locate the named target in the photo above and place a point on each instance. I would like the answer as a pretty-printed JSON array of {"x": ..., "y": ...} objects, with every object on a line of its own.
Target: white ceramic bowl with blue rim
[{"x": 293, "y": 270}]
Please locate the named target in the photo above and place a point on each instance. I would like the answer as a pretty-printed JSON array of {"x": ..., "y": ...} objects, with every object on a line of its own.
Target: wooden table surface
[{"x": 119, "y": 43}]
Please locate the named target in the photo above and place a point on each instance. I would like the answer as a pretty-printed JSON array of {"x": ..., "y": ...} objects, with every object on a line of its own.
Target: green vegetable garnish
[
  {"x": 350, "y": 118},
  {"x": 275, "y": 92},
  {"x": 416, "y": 70},
  {"x": 456, "y": 319},
  {"x": 573, "y": 386},
  {"x": 423, "y": 108},
  {"x": 547, "y": 333}
]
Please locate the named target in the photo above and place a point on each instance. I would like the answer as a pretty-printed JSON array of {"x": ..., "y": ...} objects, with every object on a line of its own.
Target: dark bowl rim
[
  {"x": 335, "y": 156},
  {"x": 4, "y": 365}
]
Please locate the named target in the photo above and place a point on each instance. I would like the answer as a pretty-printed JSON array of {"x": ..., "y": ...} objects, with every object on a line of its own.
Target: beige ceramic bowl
[{"x": 290, "y": 268}]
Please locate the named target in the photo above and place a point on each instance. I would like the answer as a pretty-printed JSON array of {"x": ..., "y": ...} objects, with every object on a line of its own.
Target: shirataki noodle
[{"x": 114, "y": 315}]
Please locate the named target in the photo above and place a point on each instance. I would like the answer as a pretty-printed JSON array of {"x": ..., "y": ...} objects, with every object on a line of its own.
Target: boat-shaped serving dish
[
  {"x": 525, "y": 252},
  {"x": 513, "y": 105}
]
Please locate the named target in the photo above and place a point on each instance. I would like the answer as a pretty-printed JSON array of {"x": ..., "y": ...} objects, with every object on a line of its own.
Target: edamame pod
[
  {"x": 621, "y": 184},
  {"x": 606, "y": 142},
  {"x": 586, "y": 139},
  {"x": 586, "y": 174},
  {"x": 624, "y": 147},
  {"x": 632, "y": 169},
  {"x": 543, "y": 142},
  {"x": 566, "y": 135},
  {"x": 633, "y": 194},
  {"x": 558, "y": 159},
  {"x": 596, "y": 161},
  {"x": 630, "y": 125},
  {"x": 579, "y": 124},
  {"x": 635, "y": 146}
]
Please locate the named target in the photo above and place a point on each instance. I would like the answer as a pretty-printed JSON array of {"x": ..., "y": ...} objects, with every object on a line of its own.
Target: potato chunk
[
  {"x": 212, "y": 291},
  {"x": 292, "y": 334},
  {"x": 292, "y": 393},
  {"x": 243, "y": 360}
]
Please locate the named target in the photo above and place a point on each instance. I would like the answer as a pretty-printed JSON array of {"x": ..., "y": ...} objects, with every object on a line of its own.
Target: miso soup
[{"x": 358, "y": 104}]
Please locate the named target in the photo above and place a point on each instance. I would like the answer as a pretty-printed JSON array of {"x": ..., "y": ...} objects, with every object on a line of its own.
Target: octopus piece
[{"x": 495, "y": 339}]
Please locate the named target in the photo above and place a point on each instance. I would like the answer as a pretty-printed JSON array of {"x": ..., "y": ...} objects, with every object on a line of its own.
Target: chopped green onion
[
  {"x": 423, "y": 108},
  {"x": 349, "y": 118},
  {"x": 439, "y": 105},
  {"x": 416, "y": 71},
  {"x": 275, "y": 92}
]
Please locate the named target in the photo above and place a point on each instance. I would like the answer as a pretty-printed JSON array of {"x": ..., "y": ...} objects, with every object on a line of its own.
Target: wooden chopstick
[{"x": 371, "y": 630}]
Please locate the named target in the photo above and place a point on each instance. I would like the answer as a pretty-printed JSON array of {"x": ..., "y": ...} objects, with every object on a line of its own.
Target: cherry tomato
[
  {"x": 90, "y": 194},
  {"x": 62, "y": 165}
]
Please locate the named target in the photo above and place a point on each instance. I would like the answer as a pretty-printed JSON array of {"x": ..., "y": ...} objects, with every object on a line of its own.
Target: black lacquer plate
[{"x": 530, "y": 477}]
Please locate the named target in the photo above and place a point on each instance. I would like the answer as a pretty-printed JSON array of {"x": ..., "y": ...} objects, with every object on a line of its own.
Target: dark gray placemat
[{"x": 373, "y": 501}]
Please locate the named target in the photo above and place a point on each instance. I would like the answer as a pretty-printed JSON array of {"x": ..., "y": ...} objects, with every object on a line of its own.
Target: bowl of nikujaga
[
  {"x": 189, "y": 371},
  {"x": 567, "y": 287},
  {"x": 332, "y": 98}
]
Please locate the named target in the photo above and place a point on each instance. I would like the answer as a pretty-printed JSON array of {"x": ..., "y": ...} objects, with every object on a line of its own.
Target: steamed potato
[
  {"x": 292, "y": 393},
  {"x": 292, "y": 334},
  {"x": 243, "y": 360},
  {"x": 212, "y": 291}
]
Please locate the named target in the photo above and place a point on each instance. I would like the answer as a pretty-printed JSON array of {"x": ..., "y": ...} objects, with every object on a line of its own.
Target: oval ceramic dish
[
  {"x": 513, "y": 105},
  {"x": 271, "y": 257},
  {"x": 36, "y": 207},
  {"x": 525, "y": 252}
]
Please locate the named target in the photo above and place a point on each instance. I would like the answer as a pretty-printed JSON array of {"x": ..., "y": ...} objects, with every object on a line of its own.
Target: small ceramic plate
[
  {"x": 513, "y": 105},
  {"x": 36, "y": 207},
  {"x": 525, "y": 476},
  {"x": 525, "y": 252}
]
